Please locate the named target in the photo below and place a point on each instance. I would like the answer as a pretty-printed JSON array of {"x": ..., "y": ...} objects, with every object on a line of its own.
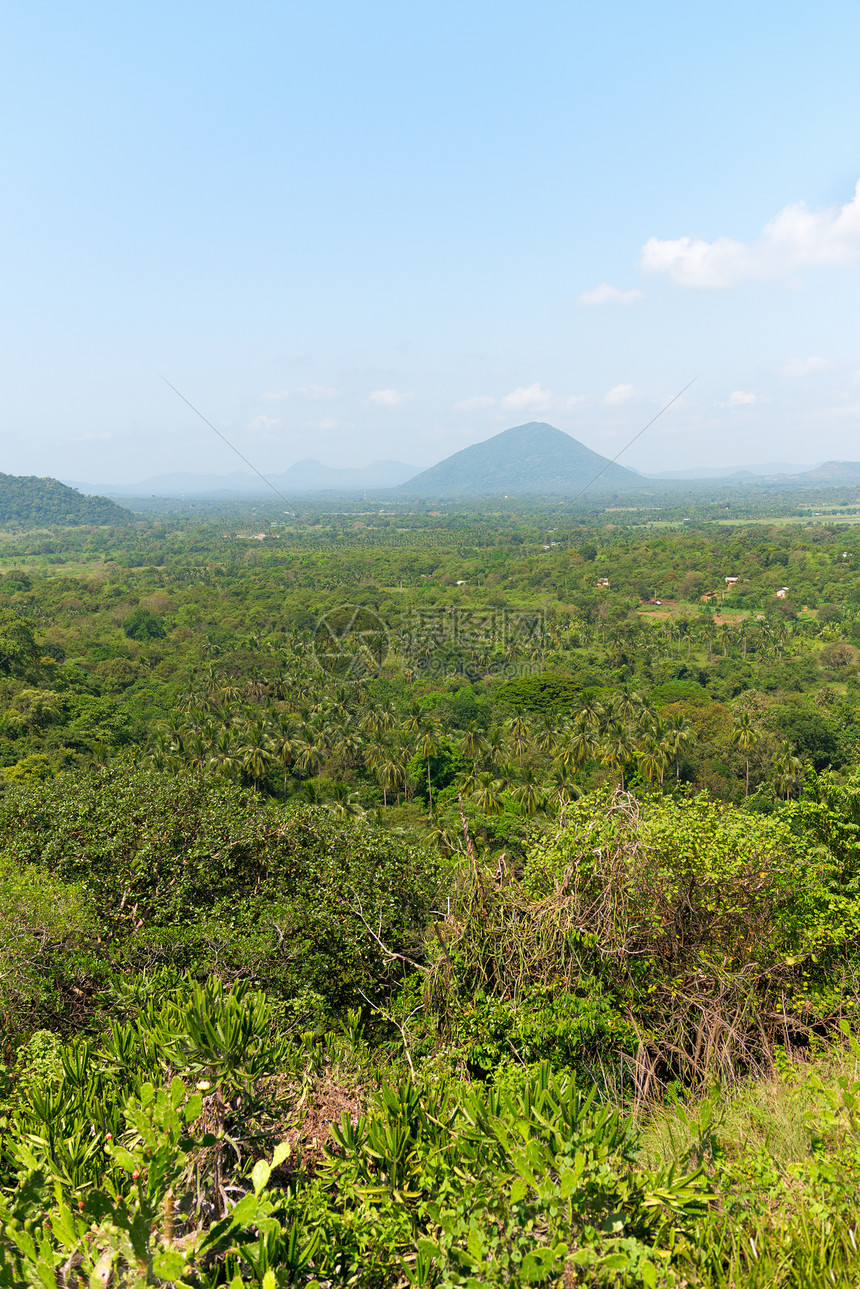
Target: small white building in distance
[
  {"x": 730, "y": 581},
  {"x": 782, "y": 593}
]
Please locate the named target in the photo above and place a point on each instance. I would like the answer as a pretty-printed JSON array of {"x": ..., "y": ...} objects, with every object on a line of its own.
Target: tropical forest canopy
[
  {"x": 414, "y": 895},
  {"x": 28, "y": 502}
]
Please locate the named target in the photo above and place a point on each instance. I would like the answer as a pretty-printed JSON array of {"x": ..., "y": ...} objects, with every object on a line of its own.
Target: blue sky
[{"x": 368, "y": 230}]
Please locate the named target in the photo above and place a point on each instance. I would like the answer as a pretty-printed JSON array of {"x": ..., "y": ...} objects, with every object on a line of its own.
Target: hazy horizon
[{"x": 381, "y": 232}]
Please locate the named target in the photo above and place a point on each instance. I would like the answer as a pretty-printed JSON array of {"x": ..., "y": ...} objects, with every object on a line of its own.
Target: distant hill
[
  {"x": 732, "y": 471},
  {"x": 835, "y": 472},
  {"x": 305, "y": 476},
  {"x": 29, "y": 502},
  {"x": 527, "y": 459}
]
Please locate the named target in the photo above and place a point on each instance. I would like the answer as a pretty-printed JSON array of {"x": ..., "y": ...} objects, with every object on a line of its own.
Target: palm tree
[
  {"x": 393, "y": 775},
  {"x": 348, "y": 748},
  {"x": 346, "y": 803},
  {"x": 679, "y": 735},
  {"x": 547, "y": 736},
  {"x": 488, "y": 795},
  {"x": 789, "y": 772},
  {"x": 576, "y": 746},
  {"x": 255, "y": 760},
  {"x": 564, "y": 789},
  {"x": 527, "y": 793},
  {"x": 617, "y": 750},
  {"x": 284, "y": 748},
  {"x": 494, "y": 746},
  {"x": 429, "y": 745},
  {"x": 591, "y": 715},
  {"x": 196, "y": 751},
  {"x": 653, "y": 760},
  {"x": 628, "y": 706},
  {"x": 472, "y": 742},
  {"x": 311, "y": 757},
  {"x": 159, "y": 751},
  {"x": 745, "y": 736},
  {"x": 222, "y": 756},
  {"x": 368, "y": 723},
  {"x": 519, "y": 737}
]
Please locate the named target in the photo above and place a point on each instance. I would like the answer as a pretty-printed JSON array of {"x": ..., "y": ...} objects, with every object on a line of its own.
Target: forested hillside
[
  {"x": 28, "y": 502},
  {"x": 400, "y": 899}
]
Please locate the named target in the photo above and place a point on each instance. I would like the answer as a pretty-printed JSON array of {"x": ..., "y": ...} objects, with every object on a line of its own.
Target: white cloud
[
  {"x": 607, "y": 294},
  {"x": 316, "y": 391},
  {"x": 796, "y": 238},
  {"x": 743, "y": 398},
  {"x": 472, "y": 404},
  {"x": 262, "y": 424},
  {"x": 389, "y": 397},
  {"x": 534, "y": 396},
  {"x": 277, "y": 396},
  {"x": 807, "y": 367},
  {"x": 620, "y": 394}
]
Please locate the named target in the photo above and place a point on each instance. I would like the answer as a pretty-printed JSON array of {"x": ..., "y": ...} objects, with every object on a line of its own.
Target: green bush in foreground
[
  {"x": 149, "y": 1157},
  {"x": 171, "y": 1153},
  {"x": 692, "y": 937},
  {"x": 210, "y": 877}
]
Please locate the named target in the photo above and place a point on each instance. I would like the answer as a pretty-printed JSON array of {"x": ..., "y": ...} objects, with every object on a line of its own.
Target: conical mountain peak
[{"x": 526, "y": 459}]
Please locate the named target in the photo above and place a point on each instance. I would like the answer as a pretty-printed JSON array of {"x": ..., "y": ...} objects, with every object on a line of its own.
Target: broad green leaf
[
  {"x": 615, "y": 1262},
  {"x": 124, "y": 1158},
  {"x": 282, "y": 1152},
  {"x": 246, "y": 1211},
  {"x": 169, "y": 1264},
  {"x": 193, "y": 1107},
  {"x": 260, "y": 1175}
]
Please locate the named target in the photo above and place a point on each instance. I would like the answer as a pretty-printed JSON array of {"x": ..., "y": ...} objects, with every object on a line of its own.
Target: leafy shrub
[
  {"x": 714, "y": 933},
  {"x": 143, "y": 625},
  {"x": 681, "y": 691},
  {"x": 211, "y": 877},
  {"x": 546, "y": 1186},
  {"x": 46, "y": 931},
  {"x": 543, "y": 1023}
]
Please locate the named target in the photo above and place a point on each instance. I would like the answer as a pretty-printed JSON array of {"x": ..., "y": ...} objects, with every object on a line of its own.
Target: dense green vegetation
[
  {"x": 28, "y": 502},
  {"x": 394, "y": 898}
]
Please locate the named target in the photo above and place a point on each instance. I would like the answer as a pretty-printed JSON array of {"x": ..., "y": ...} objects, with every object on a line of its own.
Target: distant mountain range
[
  {"x": 525, "y": 460},
  {"x": 305, "y": 476},
  {"x": 731, "y": 471}
]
